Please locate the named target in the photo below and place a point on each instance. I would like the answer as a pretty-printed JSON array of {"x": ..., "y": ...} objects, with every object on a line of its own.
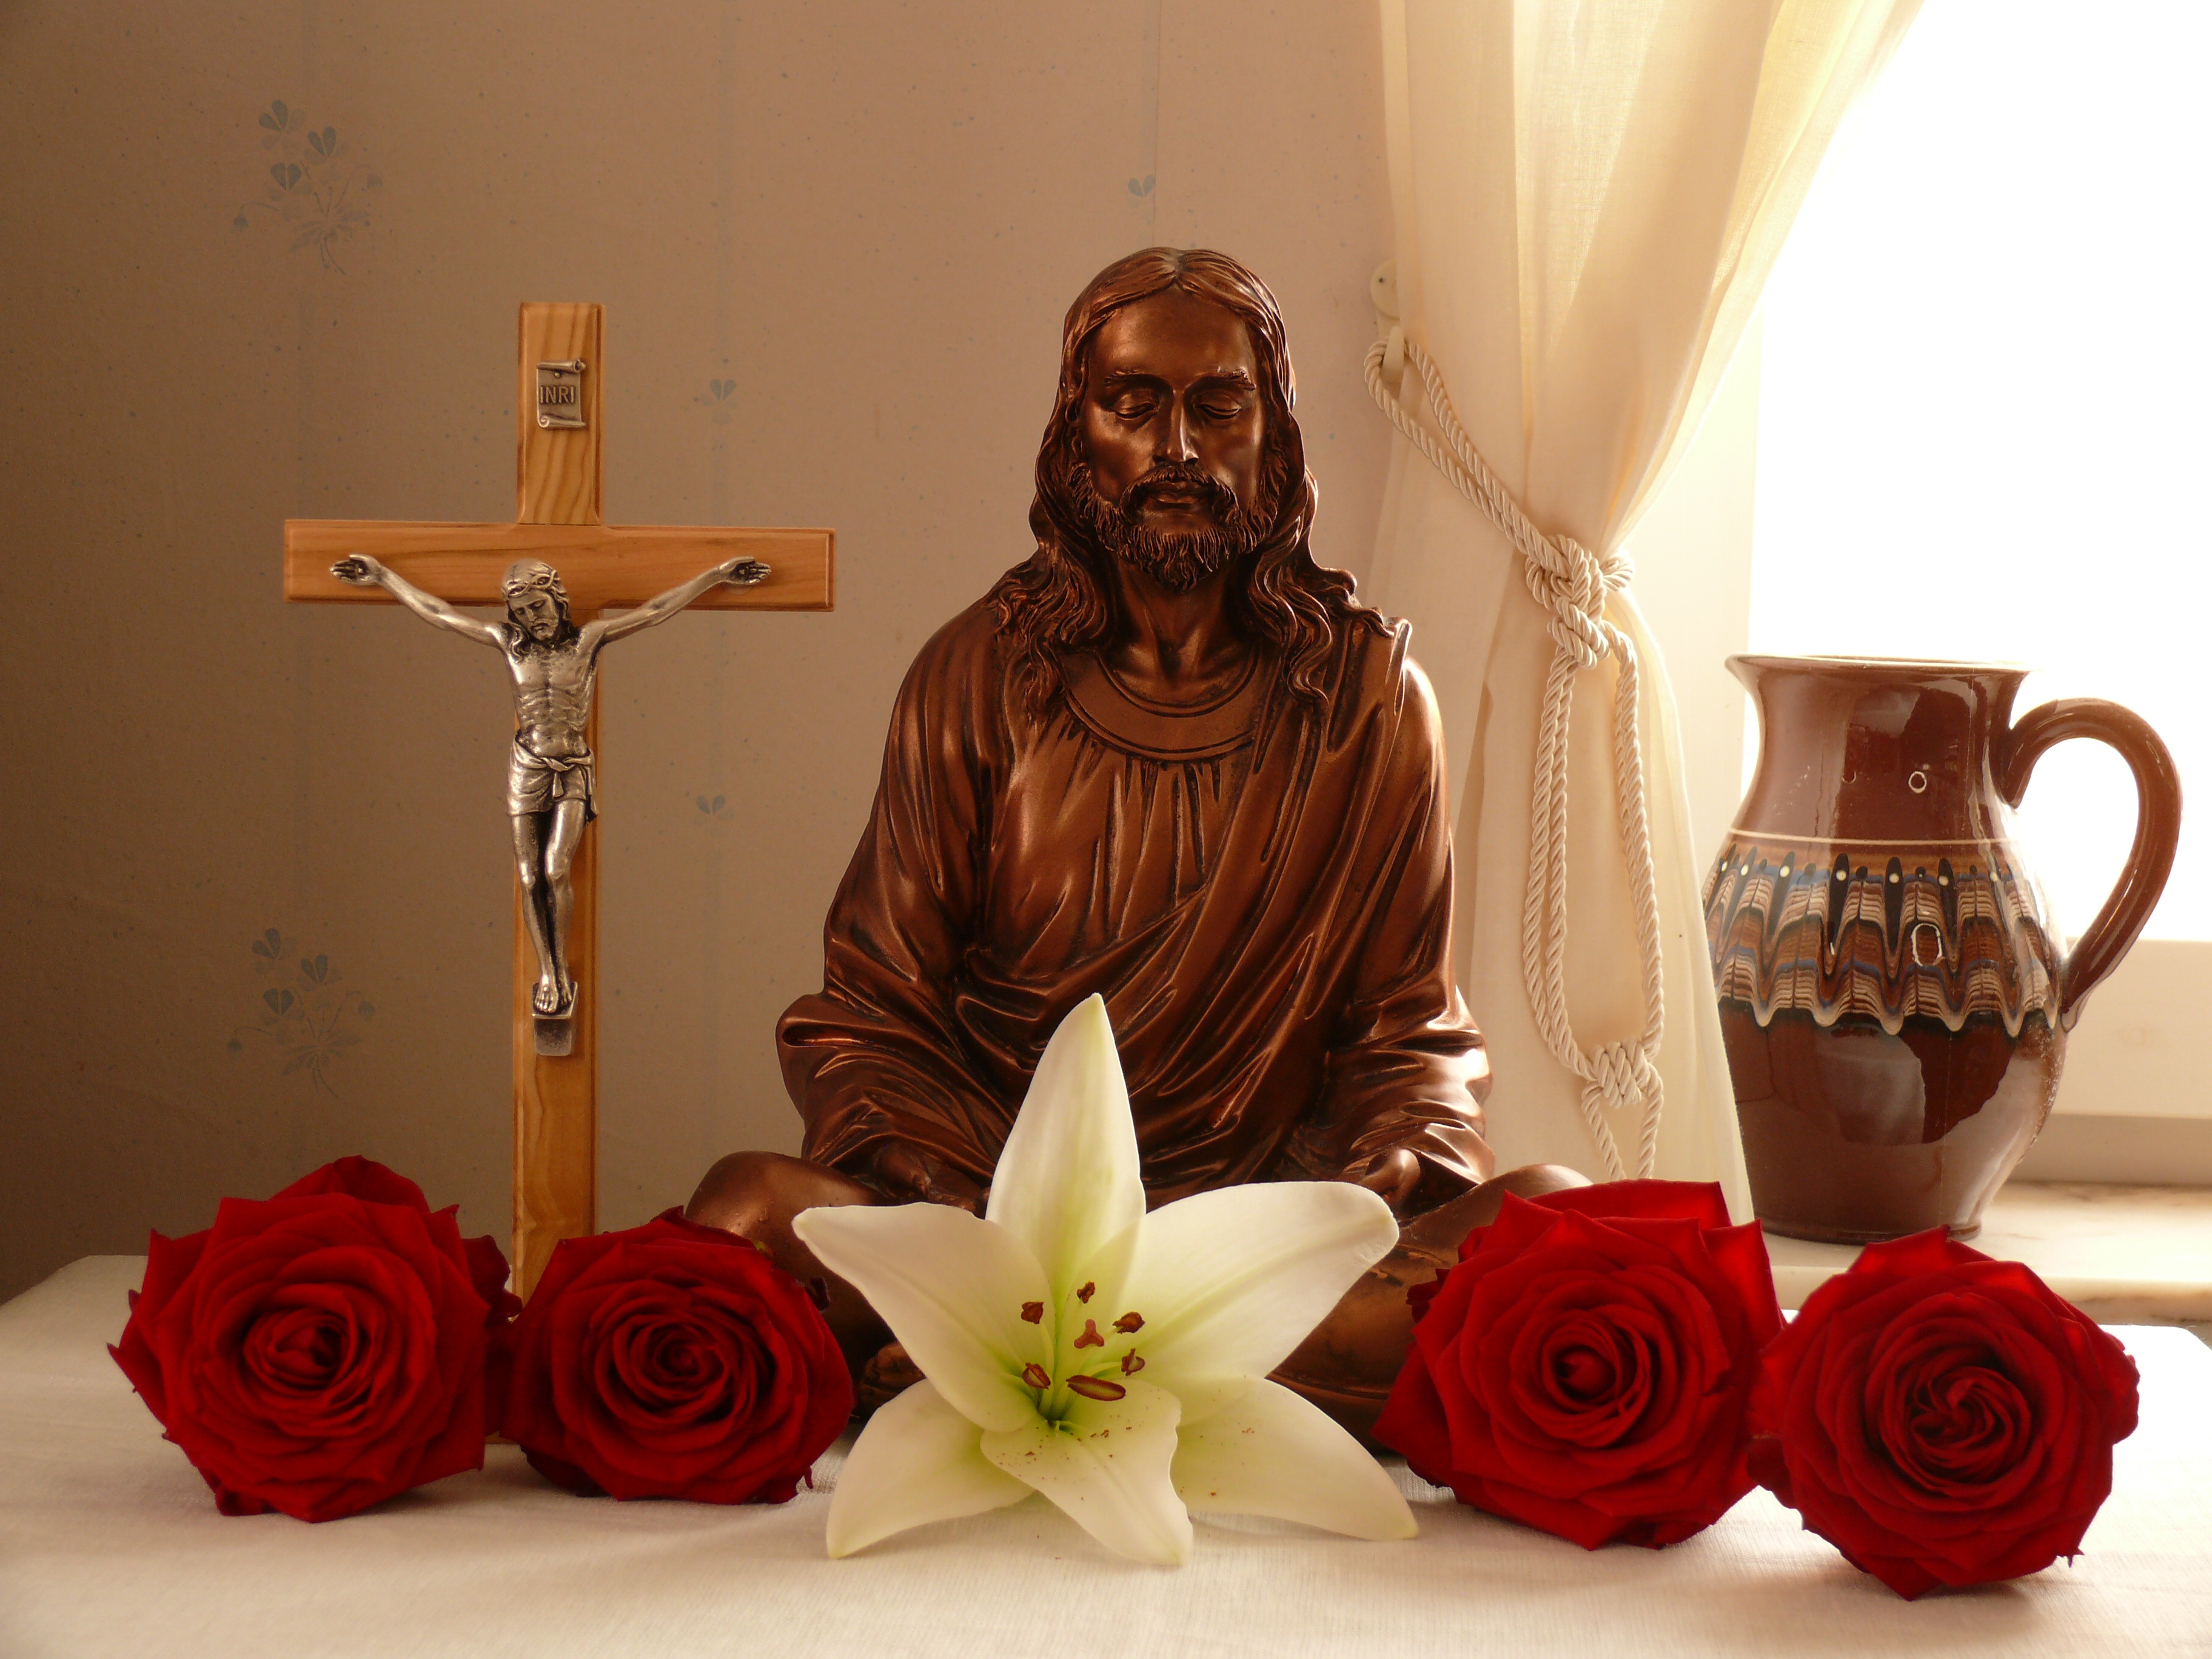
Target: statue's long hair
[{"x": 1059, "y": 600}]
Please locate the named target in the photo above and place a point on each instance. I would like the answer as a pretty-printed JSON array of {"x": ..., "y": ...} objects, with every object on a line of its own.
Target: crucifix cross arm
[
  {"x": 362, "y": 570},
  {"x": 605, "y": 566}
]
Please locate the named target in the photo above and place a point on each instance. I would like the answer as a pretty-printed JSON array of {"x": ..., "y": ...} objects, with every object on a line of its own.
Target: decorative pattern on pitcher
[{"x": 1834, "y": 929}]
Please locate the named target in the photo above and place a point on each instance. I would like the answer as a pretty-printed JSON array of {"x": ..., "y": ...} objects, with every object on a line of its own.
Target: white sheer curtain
[{"x": 1588, "y": 198}]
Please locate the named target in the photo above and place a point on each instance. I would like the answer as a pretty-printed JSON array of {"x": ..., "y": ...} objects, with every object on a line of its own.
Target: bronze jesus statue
[{"x": 1169, "y": 759}]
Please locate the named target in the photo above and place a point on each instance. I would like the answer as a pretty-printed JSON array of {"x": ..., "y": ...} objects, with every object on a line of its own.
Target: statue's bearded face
[
  {"x": 537, "y": 613},
  {"x": 1174, "y": 431}
]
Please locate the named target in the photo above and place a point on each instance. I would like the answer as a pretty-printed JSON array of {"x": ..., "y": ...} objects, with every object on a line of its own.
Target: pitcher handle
[{"x": 2158, "y": 826}]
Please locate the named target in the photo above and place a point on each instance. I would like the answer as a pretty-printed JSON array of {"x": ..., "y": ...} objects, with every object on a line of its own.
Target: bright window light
[{"x": 1987, "y": 396}]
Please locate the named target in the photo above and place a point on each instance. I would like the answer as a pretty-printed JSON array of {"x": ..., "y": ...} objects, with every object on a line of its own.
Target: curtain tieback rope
[{"x": 1571, "y": 582}]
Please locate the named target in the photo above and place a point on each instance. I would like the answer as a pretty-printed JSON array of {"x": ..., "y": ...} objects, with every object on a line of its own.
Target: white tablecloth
[{"x": 110, "y": 1543}]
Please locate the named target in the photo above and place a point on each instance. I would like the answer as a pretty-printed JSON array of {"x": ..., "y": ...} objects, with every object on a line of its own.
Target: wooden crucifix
[{"x": 558, "y": 555}]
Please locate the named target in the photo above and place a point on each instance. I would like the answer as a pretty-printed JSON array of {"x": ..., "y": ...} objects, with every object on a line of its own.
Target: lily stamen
[
  {"x": 1132, "y": 1363},
  {"x": 1096, "y": 1387},
  {"x": 1130, "y": 1323},
  {"x": 1089, "y": 1289},
  {"x": 1035, "y": 1376},
  {"x": 1033, "y": 1313}
]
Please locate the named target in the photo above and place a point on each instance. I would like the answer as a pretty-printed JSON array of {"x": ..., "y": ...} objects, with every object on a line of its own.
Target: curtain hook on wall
[{"x": 1383, "y": 293}]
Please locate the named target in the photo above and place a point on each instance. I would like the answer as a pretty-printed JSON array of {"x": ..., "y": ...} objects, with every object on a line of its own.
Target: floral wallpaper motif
[
  {"x": 716, "y": 397},
  {"x": 303, "y": 1017},
  {"x": 313, "y": 189},
  {"x": 713, "y": 809}
]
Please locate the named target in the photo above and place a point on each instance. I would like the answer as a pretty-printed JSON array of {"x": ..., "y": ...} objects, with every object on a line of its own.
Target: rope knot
[
  {"x": 1571, "y": 583},
  {"x": 1626, "y": 1076}
]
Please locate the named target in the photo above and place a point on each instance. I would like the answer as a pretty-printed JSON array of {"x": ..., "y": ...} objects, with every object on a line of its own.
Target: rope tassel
[{"x": 1571, "y": 582}]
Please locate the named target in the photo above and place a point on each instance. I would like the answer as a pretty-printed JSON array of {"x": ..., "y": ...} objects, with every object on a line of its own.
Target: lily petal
[
  {"x": 1068, "y": 1181},
  {"x": 1107, "y": 1464},
  {"x": 1273, "y": 1452},
  {"x": 1229, "y": 1281},
  {"x": 918, "y": 1461},
  {"x": 950, "y": 1286}
]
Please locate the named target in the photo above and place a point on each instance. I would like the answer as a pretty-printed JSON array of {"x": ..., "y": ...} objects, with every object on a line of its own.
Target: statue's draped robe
[{"x": 1260, "y": 889}]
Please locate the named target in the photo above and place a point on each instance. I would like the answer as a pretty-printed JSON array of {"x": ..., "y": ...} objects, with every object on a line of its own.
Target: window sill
[{"x": 2124, "y": 1256}]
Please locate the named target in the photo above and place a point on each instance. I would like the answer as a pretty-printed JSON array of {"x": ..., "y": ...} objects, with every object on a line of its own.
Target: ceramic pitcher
[{"x": 1895, "y": 994}]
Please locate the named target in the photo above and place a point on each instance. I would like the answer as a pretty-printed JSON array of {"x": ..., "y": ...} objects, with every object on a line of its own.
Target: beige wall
[{"x": 834, "y": 240}]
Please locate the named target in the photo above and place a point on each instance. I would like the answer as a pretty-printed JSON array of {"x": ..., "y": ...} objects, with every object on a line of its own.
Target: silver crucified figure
[{"x": 548, "y": 777}]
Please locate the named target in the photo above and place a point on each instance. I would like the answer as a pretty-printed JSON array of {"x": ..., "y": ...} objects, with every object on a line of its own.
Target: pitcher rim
[{"x": 1877, "y": 666}]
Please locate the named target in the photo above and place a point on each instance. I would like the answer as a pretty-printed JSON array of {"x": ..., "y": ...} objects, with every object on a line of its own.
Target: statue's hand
[
  {"x": 359, "y": 570},
  {"x": 908, "y": 1172},
  {"x": 745, "y": 572},
  {"x": 1391, "y": 1175}
]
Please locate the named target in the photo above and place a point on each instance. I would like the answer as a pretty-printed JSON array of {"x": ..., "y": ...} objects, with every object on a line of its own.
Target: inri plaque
[{"x": 560, "y": 394}]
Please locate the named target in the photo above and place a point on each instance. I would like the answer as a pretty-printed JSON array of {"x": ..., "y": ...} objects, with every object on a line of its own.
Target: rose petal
[
  {"x": 360, "y": 1177},
  {"x": 671, "y": 1360},
  {"x": 1939, "y": 1417},
  {"x": 1587, "y": 1367},
  {"x": 1699, "y": 1202},
  {"x": 311, "y": 1354}
]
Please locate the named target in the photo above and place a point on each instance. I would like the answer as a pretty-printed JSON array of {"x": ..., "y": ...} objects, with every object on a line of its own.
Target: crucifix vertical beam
[
  {"x": 558, "y": 480},
  {"x": 604, "y": 567}
]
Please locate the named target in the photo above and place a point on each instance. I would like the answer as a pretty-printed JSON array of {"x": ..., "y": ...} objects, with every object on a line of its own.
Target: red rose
[
  {"x": 487, "y": 1262},
  {"x": 320, "y": 1351},
  {"x": 674, "y": 1360},
  {"x": 1587, "y": 1366},
  {"x": 1942, "y": 1417}
]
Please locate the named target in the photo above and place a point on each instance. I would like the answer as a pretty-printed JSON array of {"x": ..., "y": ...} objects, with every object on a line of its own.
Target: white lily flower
[{"x": 1115, "y": 1361}]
